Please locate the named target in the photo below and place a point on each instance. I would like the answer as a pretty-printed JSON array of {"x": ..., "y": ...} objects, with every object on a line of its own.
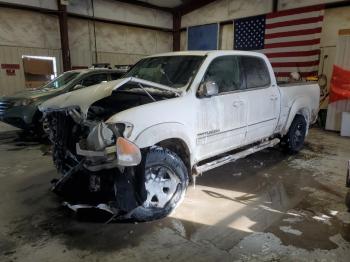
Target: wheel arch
[
  {"x": 172, "y": 136},
  {"x": 180, "y": 148},
  {"x": 299, "y": 107}
]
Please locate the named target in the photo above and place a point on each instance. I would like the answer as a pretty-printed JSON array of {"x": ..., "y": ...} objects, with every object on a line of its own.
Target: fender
[
  {"x": 300, "y": 106},
  {"x": 159, "y": 132}
]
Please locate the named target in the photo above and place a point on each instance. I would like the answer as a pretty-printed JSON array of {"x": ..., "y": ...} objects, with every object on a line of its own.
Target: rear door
[
  {"x": 221, "y": 119},
  {"x": 261, "y": 98}
]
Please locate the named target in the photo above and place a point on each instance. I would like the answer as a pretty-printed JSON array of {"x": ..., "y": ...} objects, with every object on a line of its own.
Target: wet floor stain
[{"x": 283, "y": 194}]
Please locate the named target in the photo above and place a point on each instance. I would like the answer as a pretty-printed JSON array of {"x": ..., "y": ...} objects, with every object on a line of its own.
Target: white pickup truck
[{"x": 131, "y": 146}]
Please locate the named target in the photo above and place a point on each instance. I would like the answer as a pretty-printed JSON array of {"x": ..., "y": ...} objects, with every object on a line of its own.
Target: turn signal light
[{"x": 128, "y": 153}]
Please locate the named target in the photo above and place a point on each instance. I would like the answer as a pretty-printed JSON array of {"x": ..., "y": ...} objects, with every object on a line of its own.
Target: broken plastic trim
[{"x": 126, "y": 153}]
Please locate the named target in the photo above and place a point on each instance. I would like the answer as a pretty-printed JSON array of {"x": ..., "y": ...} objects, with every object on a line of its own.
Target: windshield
[
  {"x": 61, "y": 80},
  {"x": 173, "y": 71}
]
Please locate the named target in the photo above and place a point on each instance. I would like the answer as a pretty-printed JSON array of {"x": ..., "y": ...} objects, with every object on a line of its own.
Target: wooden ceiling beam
[
  {"x": 147, "y": 5},
  {"x": 191, "y": 6}
]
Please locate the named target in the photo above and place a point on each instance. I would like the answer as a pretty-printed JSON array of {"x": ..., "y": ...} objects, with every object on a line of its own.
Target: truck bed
[
  {"x": 301, "y": 83},
  {"x": 291, "y": 93}
]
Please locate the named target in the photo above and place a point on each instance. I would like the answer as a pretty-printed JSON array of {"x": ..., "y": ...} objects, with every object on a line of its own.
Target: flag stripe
[
  {"x": 292, "y": 38},
  {"x": 294, "y": 43},
  {"x": 295, "y": 22},
  {"x": 293, "y": 54},
  {"x": 293, "y": 28},
  {"x": 294, "y": 33},
  {"x": 294, "y": 17},
  {"x": 289, "y": 49},
  {"x": 295, "y": 64},
  {"x": 295, "y": 11},
  {"x": 294, "y": 59}
]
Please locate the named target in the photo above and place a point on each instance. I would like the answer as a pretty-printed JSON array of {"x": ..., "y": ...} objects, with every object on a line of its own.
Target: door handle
[
  {"x": 237, "y": 104},
  {"x": 273, "y": 97}
]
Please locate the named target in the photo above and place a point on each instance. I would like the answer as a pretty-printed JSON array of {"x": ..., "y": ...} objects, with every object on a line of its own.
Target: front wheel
[
  {"x": 294, "y": 139},
  {"x": 166, "y": 181}
]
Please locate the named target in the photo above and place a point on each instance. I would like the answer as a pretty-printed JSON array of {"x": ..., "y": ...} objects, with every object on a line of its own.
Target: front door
[{"x": 221, "y": 119}]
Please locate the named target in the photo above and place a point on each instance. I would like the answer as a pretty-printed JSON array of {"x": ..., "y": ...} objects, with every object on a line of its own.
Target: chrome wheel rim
[
  {"x": 161, "y": 185},
  {"x": 298, "y": 136}
]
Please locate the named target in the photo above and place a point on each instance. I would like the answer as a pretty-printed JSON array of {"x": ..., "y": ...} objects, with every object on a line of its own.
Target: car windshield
[
  {"x": 61, "y": 80},
  {"x": 173, "y": 71}
]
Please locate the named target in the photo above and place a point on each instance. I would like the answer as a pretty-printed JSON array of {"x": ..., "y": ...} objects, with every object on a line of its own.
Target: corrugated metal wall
[
  {"x": 31, "y": 33},
  {"x": 25, "y": 33},
  {"x": 116, "y": 44},
  {"x": 13, "y": 55}
]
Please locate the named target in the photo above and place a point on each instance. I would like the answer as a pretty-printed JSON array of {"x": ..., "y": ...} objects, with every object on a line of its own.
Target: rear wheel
[
  {"x": 347, "y": 200},
  {"x": 294, "y": 139},
  {"x": 166, "y": 181}
]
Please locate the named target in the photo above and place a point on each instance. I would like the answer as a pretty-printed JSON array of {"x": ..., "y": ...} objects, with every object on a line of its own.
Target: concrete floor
[{"x": 266, "y": 207}]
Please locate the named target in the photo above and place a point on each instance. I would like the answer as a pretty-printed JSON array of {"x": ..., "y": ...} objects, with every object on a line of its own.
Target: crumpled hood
[{"x": 83, "y": 98}]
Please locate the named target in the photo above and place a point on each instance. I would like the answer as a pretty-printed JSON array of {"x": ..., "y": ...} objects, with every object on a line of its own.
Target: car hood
[
  {"x": 84, "y": 98},
  {"x": 32, "y": 94}
]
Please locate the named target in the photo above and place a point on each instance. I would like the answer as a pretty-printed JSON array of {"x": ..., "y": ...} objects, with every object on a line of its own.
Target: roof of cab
[
  {"x": 87, "y": 70},
  {"x": 213, "y": 53}
]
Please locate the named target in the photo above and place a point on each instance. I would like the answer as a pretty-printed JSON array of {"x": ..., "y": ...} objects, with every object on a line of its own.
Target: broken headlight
[
  {"x": 125, "y": 129},
  {"x": 105, "y": 147},
  {"x": 100, "y": 137}
]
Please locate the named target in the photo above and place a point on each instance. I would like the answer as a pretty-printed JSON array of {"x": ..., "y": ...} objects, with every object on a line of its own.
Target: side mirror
[
  {"x": 208, "y": 89},
  {"x": 78, "y": 86}
]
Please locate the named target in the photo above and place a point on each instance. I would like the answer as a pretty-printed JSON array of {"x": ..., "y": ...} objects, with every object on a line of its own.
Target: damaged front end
[{"x": 100, "y": 168}]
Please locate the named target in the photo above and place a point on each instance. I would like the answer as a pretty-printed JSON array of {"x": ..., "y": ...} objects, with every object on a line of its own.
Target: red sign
[
  {"x": 11, "y": 72},
  {"x": 10, "y": 66}
]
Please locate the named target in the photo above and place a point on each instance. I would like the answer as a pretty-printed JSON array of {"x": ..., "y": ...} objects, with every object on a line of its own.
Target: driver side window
[{"x": 225, "y": 72}]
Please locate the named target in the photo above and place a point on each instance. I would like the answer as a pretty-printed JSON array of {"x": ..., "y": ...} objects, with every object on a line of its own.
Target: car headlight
[
  {"x": 24, "y": 102},
  {"x": 125, "y": 129}
]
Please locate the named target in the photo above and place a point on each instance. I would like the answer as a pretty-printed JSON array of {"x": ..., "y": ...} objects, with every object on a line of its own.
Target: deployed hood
[{"x": 85, "y": 97}]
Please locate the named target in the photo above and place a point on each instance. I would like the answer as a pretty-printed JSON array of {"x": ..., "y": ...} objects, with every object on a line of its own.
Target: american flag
[{"x": 289, "y": 38}]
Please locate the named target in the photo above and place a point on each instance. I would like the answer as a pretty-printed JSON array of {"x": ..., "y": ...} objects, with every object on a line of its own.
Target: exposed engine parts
[{"x": 93, "y": 159}]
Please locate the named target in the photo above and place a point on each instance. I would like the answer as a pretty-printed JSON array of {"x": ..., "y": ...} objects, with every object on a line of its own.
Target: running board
[{"x": 231, "y": 158}]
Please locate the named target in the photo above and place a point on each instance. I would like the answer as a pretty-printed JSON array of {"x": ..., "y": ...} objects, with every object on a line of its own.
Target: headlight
[
  {"x": 24, "y": 102},
  {"x": 125, "y": 129}
]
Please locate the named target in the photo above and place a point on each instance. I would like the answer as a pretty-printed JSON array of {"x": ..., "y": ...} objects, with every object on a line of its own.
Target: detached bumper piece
[{"x": 112, "y": 191}]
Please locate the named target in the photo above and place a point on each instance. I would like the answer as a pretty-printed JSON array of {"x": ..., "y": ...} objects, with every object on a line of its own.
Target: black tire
[
  {"x": 162, "y": 159},
  {"x": 294, "y": 139}
]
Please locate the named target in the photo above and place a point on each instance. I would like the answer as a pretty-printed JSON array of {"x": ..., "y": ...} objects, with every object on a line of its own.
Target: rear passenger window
[
  {"x": 256, "y": 72},
  {"x": 225, "y": 72}
]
